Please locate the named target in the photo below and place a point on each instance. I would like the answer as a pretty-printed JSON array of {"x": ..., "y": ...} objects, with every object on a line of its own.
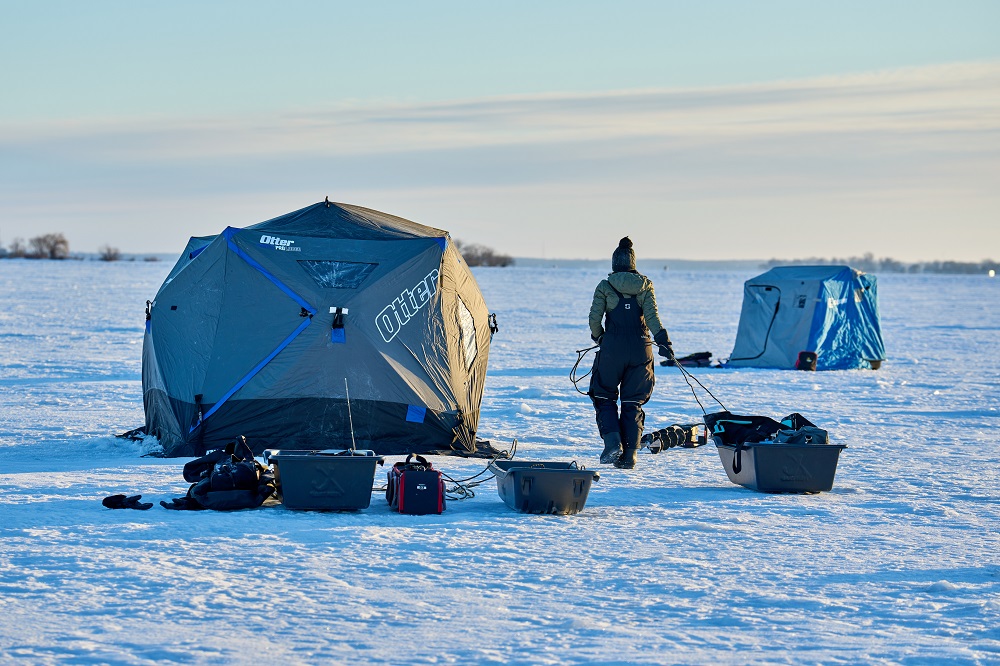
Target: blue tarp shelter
[{"x": 829, "y": 310}]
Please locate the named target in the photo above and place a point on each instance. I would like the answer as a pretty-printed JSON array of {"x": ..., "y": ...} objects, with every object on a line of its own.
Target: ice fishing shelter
[
  {"x": 831, "y": 311},
  {"x": 267, "y": 331}
]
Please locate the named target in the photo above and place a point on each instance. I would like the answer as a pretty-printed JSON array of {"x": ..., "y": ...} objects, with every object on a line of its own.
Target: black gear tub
[
  {"x": 325, "y": 480},
  {"x": 791, "y": 456},
  {"x": 532, "y": 486}
]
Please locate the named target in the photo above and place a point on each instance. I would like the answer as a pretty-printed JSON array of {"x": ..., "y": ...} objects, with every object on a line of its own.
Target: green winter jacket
[{"x": 628, "y": 283}]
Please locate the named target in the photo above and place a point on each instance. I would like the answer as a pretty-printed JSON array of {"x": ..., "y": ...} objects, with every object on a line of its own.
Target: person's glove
[
  {"x": 182, "y": 504},
  {"x": 122, "y": 502},
  {"x": 663, "y": 340},
  {"x": 597, "y": 338}
]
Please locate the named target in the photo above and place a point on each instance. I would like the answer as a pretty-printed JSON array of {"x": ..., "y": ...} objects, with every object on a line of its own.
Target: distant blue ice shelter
[{"x": 831, "y": 311}]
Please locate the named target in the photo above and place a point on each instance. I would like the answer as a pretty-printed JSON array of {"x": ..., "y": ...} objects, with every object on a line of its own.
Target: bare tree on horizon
[
  {"x": 48, "y": 246},
  {"x": 108, "y": 253}
]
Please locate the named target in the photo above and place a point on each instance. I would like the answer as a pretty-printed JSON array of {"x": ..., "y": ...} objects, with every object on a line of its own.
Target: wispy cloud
[
  {"x": 892, "y": 143},
  {"x": 955, "y": 97}
]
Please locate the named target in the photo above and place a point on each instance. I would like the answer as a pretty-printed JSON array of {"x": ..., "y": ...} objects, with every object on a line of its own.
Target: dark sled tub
[
  {"x": 781, "y": 468},
  {"x": 532, "y": 486},
  {"x": 328, "y": 480}
]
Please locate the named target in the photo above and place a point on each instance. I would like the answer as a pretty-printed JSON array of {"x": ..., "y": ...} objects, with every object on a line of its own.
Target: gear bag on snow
[
  {"x": 736, "y": 431},
  {"x": 225, "y": 480},
  {"x": 415, "y": 487},
  {"x": 695, "y": 360}
]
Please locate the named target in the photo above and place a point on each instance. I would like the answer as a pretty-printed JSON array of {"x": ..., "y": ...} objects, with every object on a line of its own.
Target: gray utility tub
[
  {"x": 787, "y": 456},
  {"x": 532, "y": 486},
  {"x": 770, "y": 467},
  {"x": 330, "y": 479}
]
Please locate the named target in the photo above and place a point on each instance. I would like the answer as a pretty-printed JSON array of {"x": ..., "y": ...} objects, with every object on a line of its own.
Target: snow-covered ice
[{"x": 669, "y": 563}]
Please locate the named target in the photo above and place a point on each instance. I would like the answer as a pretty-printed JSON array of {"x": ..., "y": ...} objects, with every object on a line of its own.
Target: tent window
[
  {"x": 468, "y": 331},
  {"x": 337, "y": 274}
]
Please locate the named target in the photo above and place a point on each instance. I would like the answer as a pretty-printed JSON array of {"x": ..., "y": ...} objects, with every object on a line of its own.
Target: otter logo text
[
  {"x": 396, "y": 315},
  {"x": 279, "y": 243}
]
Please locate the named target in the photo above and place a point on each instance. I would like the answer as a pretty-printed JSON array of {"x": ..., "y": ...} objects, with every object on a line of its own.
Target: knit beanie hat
[{"x": 623, "y": 258}]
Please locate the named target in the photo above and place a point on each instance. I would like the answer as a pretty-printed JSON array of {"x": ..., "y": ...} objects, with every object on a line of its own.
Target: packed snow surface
[{"x": 669, "y": 563}]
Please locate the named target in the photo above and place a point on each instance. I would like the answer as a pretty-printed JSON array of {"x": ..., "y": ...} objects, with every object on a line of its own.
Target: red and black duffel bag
[{"x": 415, "y": 487}]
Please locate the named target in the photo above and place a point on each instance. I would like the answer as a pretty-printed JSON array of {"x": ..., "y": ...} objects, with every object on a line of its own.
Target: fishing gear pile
[
  {"x": 225, "y": 480},
  {"x": 788, "y": 456}
]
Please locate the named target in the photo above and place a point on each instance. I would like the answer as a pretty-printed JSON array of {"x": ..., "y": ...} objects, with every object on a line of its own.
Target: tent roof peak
[{"x": 328, "y": 219}]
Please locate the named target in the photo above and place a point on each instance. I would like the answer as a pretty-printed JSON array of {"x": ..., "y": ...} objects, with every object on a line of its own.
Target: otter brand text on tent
[
  {"x": 279, "y": 243},
  {"x": 399, "y": 312}
]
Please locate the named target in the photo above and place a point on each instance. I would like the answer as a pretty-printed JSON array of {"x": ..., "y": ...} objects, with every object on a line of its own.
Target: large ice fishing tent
[
  {"x": 266, "y": 331},
  {"x": 831, "y": 311}
]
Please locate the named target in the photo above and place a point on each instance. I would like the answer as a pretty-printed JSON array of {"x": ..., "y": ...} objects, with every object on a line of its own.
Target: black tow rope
[
  {"x": 463, "y": 488},
  {"x": 688, "y": 377},
  {"x": 580, "y": 355}
]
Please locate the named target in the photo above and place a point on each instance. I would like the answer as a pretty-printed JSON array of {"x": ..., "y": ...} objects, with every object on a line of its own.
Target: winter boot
[
  {"x": 627, "y": 459},
  {"x": 612, "y": 448}
]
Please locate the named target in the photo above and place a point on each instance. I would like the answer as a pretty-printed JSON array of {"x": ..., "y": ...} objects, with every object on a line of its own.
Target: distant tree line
[
  {"x": 55, "y": 246},
  {"x": 46, "y": 246},
  {"x": 479, "y": 255},
  {"x": 869, "y": 264}
]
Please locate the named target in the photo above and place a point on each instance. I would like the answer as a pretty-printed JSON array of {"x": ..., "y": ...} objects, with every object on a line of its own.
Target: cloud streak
[{"x": 885, "y": 149}]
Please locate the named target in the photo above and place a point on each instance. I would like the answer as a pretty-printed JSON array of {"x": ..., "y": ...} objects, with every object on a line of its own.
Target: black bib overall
[{"x": 624, "y": 365}]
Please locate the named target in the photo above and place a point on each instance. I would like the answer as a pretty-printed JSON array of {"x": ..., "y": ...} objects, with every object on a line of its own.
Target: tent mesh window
[
  {"x": 468, "y": 327},
  {"x": 337, "y": 274}
]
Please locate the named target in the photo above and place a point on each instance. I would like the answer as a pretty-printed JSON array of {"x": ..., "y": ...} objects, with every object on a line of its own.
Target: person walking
[{"x": 621, "y": 316}]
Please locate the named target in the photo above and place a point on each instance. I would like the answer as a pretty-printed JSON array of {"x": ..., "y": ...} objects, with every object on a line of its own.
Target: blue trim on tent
[
  {"x": 337, "y": 336},
  {"x": 415, "y": 413},
  {"x": 195, "y": 253},
  {"x": 442, "y": 242},
  {"x": 228, "y": 235},
  {"x": 247, "y": 377}
]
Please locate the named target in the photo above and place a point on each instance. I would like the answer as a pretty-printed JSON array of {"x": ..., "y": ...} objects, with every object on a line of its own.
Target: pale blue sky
[{"x": 523, "y": 125}]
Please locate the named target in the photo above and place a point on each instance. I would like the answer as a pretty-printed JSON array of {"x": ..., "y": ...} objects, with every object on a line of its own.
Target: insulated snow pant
[{"x": 623, "y": 368}]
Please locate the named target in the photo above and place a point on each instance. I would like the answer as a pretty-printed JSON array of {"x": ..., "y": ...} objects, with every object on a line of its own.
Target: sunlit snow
[{"x": 669, "y": 563}]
